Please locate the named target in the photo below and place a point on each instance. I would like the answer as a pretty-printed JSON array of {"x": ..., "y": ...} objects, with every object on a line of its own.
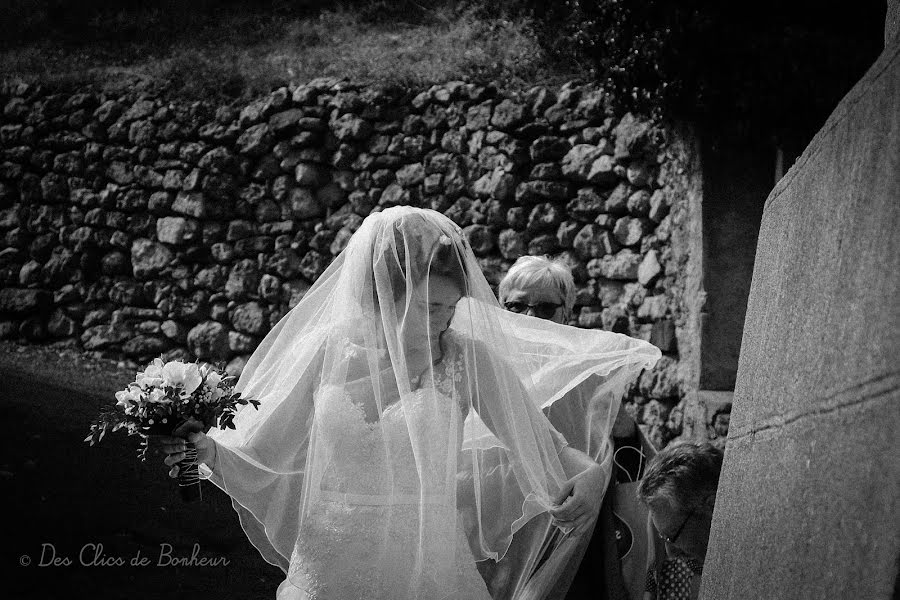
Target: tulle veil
[{"x": 475, "y": 454}]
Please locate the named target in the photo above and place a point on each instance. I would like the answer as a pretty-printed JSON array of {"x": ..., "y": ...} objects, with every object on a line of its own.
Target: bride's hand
[
  {"x": 174, "y": 446},
  {"x": 578, "y": 501}
]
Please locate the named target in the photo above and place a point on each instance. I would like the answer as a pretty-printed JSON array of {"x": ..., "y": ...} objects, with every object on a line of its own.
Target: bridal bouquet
[{"x": 162, "y": 398}]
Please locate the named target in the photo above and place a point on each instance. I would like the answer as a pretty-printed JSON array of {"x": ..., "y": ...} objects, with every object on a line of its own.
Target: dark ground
[{"x": 58, "y": 493}]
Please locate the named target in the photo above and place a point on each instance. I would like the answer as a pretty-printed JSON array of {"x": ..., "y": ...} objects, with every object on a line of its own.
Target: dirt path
[{"x": 60, "y": 496}]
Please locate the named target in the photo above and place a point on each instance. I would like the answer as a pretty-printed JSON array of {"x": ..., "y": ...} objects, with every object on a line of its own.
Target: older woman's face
[
  {"x": 537, "y": 301},
  {"x": 690, "y": 529}
]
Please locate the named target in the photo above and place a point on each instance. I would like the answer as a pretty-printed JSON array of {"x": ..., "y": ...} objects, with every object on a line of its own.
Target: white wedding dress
[
  {"x": 362, "y": 478},
  {"x": 368, "y": 510}
]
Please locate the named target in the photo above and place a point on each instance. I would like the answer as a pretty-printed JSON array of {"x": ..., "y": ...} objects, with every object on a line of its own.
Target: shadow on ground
[{"x": 89, "y": 506}]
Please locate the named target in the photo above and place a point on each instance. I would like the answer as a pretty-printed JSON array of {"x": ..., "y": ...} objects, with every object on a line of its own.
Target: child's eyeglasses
[
  {"x": 671, "y": 539},
  {"x": 542, "y": 310}
]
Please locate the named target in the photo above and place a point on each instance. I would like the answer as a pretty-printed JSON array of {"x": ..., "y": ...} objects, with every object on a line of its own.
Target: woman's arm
[
  {"x": 578, "y": 499},
  {"x": 276, "y": 447}
]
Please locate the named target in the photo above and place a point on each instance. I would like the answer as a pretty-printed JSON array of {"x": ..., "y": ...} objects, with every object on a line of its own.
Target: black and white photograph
[{"x": 450, "y": 300}]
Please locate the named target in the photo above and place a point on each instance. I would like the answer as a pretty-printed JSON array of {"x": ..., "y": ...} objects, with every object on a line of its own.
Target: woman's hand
[
  {"x": 174, "y": 446},
  {"x": 578, "y": 501}
]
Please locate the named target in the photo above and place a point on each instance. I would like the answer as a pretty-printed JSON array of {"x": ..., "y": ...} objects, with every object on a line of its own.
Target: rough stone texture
[
  {"x": 209, "y": 341},
  {"x": 622, "y": 265},
  {"x": 578, "y": 162},
  {"x": 630, "y": 231},
  {"x": 174, "y": 230},
  {"x": 145, "y": 346},
  {"x": 149, "y": 258},
  {"x": 649, "y": 268},
  {"x": 682, "y": 230},
  {"x": 243, "y": 279},
  {"x": 192, "y": 205},
  {"x": 23, "y": 301},
  {"x": 892, "y": 23},
  {"x": 811, "y": 461},
  {"x": 221, "y": 217},
  {"x": 250, "y": 318}
]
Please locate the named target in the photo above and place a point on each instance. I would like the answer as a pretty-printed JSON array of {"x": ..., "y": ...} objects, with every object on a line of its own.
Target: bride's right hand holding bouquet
[
  {"x": 175, "y": 446},
  {"x": 175, "y": 403}
]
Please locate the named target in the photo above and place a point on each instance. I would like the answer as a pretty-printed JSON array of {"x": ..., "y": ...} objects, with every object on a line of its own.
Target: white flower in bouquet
[
  {"x": 213, "y": 379},
  {"x": 151, "y": 376},
  {"x": 158, "y": 396},
  {"x": 129, "y": 399},
  {"x": 165, "y": 394},
  {"x": 184, "y": 375}
]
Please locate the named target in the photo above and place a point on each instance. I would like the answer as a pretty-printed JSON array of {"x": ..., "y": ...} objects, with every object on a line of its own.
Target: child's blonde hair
[{"x": 542, "y": 271}]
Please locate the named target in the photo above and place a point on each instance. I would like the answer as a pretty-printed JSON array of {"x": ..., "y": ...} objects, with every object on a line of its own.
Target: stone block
[
  {"x": 148, "y": 258},
  {"x": 622, "y": 265},
  {"x": 662, "y": 335},
  {"x": 250, "y": 318},
  {"x": 305, "y": 204},
  {"x": 544, "y": 217},
  {"x": 145, "y": 346},
  {"x": 578, "y": 162},
  {"x": 587, "y": 205},
  {"x": 542, "y": 244},
  {"x": 507, "y": 115},
  {"x": 209, "y": 341},
  {"x": 191, "y": 204},
  {"x": 811, "y": 460},
  {"x": 256, "y": 140},
  {"x": 243, "y": 279},
  {"x": 480, "y": 238},
  {"x": 532, "y": 192},
  {"x": 175, "y": 230},
  {"x": 511, "y": 244},
  {"x": 549, "y": 149},
  {"x": 789, "y": 473},
  {"x": 630, "y": 230},
  {"x": 350, "y": 127},
  {"x": 19, "y": 301},
  {"x": 592, "y": 241},
  {"x": 649, "y": 269}
]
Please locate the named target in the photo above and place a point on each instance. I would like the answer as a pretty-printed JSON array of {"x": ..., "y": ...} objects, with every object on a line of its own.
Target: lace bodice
[
  {"x": 362, "y": 537},
  {"x": 376, "y": 458}
]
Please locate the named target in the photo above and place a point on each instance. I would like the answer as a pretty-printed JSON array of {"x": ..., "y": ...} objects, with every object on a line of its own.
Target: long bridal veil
[{"x": 368, "y": 398}]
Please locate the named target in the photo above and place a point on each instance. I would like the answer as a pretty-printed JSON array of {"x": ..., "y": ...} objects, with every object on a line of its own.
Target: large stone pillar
[
  {"x": 809, "y": 500},
  {"x": 892, "y": 22}
]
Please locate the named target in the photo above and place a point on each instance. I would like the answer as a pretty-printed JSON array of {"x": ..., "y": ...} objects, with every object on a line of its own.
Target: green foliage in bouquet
[{"x": 167, "y": 394}]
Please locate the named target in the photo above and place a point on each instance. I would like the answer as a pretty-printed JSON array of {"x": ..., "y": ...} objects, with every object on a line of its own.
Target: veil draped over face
[{"x": 400, "y": 387}]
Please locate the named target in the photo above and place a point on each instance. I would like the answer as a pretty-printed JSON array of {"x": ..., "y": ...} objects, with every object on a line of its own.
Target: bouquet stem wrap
[
  {"x": 189, "y": 475},
  {"x": 188, "y": 468}
]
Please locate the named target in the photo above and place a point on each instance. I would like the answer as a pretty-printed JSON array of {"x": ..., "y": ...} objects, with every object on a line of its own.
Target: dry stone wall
[{"x": 138, "y": 226}]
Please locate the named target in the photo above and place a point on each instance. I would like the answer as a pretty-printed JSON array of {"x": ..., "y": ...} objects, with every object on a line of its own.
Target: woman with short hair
[
  {"x": 589, "y": 416},
  {"x": 679, "y": 488},
  {"x": 539, "y": 287}
]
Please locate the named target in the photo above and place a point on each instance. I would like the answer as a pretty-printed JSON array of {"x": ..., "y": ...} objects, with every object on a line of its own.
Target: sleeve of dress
[{"x": 261, "y": 465}]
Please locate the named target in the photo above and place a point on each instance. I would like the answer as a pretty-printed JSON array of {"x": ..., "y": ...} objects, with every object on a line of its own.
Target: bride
[{"x": 399, "y": 438}]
